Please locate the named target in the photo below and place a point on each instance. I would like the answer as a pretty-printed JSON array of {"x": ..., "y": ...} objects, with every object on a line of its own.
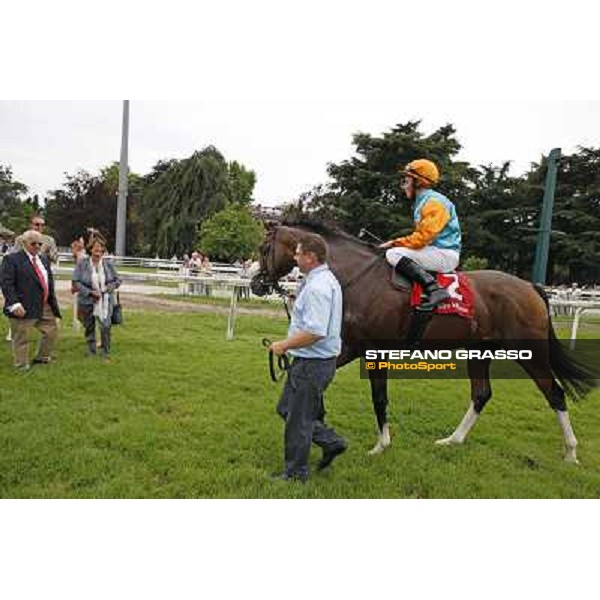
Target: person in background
[
  {"x": 96, "y": 280},
  {"x": 206, "y": 266},
  {"x": 37, "y": 223},
  {"x": 195, "y": 268},
  {"x": 78, "y": 249},
  {"x": 206, "y": 269},
  {"x": 244, "y": 273},
  {"x": 30, "y": 299}
]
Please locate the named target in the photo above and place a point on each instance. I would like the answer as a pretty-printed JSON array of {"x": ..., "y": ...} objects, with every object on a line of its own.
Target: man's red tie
[{"x": 40, "y": 276}]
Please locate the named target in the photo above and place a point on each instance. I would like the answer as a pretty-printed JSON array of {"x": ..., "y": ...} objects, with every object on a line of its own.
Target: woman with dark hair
[{"x": 96, "y": 280}]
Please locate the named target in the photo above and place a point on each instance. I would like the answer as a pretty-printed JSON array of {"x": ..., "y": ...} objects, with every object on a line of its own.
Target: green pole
[{"x": 543, "y": 240}]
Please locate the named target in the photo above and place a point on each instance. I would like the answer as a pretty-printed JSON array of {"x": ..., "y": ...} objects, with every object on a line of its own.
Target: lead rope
[{"x": 283, "y": 362}]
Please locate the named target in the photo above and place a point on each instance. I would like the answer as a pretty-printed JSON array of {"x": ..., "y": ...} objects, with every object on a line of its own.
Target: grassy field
[{"x": 181, "y": 413}]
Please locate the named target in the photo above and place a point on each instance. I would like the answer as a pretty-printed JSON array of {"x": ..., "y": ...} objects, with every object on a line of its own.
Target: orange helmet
[{"x": 424, "y": 171}]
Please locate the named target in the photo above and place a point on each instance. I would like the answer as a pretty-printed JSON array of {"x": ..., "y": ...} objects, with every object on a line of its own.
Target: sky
[
  {"x": 282, "y": 87},
  {"x": 288, "y": 144}
]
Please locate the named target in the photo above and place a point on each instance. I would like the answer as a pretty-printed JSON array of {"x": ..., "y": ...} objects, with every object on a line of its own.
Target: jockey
[{"x": 435, "y": 243}]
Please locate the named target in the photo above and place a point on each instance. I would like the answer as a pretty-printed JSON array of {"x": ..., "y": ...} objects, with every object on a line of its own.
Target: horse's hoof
[
  {"x": 449, "y": 441},
  {"x": 571, "y": 459}
]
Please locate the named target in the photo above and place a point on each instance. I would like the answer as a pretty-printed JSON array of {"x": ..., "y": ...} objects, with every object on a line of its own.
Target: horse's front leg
[{"x": 380, "y": 402}]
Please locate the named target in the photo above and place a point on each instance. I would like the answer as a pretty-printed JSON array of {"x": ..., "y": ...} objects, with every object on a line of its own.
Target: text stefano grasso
[{"x": 459, "y": 354}]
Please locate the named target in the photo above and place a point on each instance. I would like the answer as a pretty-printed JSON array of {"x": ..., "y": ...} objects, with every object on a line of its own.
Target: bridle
[{"x": 263, "y": 284}]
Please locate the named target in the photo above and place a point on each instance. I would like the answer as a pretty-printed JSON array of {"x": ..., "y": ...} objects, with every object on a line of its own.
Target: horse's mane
[{"x": 325, "y": 230}]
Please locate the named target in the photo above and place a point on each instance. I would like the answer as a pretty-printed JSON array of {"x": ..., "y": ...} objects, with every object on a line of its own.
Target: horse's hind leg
[
  {"x": 481, "y": 392},
  {"x": 555, "y": 396},
  {"x": 380, "y": 402}
]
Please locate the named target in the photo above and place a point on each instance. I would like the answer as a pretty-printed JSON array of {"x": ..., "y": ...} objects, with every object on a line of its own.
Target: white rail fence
[
  {"x": 187, "y": 285},
  {"x": 576, "y": 309}
]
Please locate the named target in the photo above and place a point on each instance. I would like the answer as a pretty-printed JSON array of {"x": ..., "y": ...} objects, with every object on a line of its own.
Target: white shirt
[{"x": 35, "y": 259}]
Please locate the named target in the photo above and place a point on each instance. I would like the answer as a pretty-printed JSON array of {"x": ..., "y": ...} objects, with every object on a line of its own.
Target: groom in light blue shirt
[{"x": 314, "y": 340}]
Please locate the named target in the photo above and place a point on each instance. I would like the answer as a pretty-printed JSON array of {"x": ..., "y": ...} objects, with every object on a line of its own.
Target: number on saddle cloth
[
  {"x": 449, "y": 281},
  {"x": 419, "y": 318}
]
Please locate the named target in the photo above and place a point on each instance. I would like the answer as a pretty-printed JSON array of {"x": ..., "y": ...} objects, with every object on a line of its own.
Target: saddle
[
  {"x": 401, "y": 282},
  {"x": 460, "y": 302}
]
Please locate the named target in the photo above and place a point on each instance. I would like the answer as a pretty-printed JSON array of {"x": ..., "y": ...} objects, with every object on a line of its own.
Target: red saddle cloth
[{"x": 461, "y": 295}]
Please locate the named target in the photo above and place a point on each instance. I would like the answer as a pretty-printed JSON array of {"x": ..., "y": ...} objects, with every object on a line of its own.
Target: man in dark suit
[{"x": 30, "y": 299}]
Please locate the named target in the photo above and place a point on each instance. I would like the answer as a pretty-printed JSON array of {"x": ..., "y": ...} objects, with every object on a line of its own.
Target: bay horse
[{"x": 506, "y": 308}]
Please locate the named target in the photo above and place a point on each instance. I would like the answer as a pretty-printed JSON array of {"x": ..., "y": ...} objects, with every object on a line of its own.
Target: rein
[{"x": 283, "y": 362}]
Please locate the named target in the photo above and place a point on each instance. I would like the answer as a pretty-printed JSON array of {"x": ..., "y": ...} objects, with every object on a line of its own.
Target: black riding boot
[{"x": 434, "y": 292}]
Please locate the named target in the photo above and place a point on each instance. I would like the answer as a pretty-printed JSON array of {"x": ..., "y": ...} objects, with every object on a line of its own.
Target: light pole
[
  {"x": 123, "y": 172},
  {"x": 543, "y": 242}
]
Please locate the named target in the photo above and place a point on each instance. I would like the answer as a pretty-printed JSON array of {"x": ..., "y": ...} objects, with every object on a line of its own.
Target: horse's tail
[{"x": 576, "y": 379}]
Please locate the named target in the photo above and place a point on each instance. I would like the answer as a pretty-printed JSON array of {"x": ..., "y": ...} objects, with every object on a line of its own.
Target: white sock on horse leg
[
  {"x": 568, "y": 434},
  {"x": 383, "y": 441},
  {"x": 461, "y": 432}
]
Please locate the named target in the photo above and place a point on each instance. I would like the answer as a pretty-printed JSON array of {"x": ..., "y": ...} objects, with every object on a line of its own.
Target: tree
[
  {"x": 178, "y": 195},
  {"x": 15, "y": 211},
  {"x": 497, "y": 217},
  {"x": 474, "y": 263},
  {"x": 365, "y": 190},
  {"x": 231, "y": 234},
  {"x": 86, "y": 200},
  {"x": 241, "y": 183},
  {"x": 575, "y": 245}
]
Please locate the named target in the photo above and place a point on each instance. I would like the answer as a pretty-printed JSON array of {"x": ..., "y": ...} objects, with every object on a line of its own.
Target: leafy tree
[
  {"x": 178, "y": 195},
  {"x": 575, "y": 244},
  {"x": 474, "y": 263},
  {"x": 15, "y": 211},
  {"x": 365, "y": 190},
  {"x": 91, "y": 201},
  {"x": 497, "y": 217},
  {"x": 231, "y": 234},
  {"x": 241, "y": 183}
]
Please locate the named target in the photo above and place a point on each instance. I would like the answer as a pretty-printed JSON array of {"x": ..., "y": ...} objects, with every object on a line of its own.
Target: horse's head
[{"x": 276, "y": 258}]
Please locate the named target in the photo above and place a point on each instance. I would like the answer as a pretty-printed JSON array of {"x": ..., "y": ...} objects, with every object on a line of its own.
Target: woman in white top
[{"x": 96, "y": 280}]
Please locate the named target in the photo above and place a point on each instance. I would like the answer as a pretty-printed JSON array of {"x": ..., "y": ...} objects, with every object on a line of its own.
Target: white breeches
[{"x": 429, "y": 257}]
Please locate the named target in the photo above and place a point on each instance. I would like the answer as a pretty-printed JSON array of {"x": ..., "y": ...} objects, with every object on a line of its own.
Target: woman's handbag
[{"x": 117, "y": 313}]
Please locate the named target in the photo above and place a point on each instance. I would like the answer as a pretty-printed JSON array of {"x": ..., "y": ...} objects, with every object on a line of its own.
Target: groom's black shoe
[{"x": 330, "y": 453}]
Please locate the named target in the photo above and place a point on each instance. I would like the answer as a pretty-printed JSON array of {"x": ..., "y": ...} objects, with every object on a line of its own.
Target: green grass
[{"x": 182, "y": 413}]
